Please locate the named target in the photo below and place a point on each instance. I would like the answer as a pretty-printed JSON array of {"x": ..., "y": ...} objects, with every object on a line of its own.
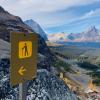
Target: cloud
[
  {"x": 78, "y": 24},
  {"x": 92, "y": 13},
  {"x": 37, "y": 6},
  {"x": 46, "y": 12},
  {"x": 86, "y": 16}
]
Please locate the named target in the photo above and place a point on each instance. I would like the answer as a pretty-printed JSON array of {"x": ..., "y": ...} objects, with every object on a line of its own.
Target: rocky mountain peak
[
  {"x": 92, "y": 29},
  {"x": 30, "y": 21},
  {"x": 36, "y": 27},
  {"x": 1, "y": 9}
]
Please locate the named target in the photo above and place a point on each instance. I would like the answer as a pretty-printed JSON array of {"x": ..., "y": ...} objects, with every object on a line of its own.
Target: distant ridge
[{"x": 92, "y": 34}]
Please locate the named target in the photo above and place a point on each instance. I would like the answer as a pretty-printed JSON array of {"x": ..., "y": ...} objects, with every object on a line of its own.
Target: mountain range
[
  {"x": 92, "y": 34},
  {"x": 36, "y": 27}
]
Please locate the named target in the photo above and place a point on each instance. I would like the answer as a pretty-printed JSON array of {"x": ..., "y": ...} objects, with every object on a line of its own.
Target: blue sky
[{"x": 70, "y": 16}]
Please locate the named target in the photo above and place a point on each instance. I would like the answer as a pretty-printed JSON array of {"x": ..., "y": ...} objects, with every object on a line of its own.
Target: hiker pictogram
[{"x": 25, "y": 49}]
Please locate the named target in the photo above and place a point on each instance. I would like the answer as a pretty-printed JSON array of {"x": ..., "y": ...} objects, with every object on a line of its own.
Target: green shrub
[
  {"x": 88, "y": 66},
  {"x": 58, "y": 63}
]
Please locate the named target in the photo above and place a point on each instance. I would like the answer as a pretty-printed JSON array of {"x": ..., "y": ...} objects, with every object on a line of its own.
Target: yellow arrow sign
[{"x": 21, "y": 70}]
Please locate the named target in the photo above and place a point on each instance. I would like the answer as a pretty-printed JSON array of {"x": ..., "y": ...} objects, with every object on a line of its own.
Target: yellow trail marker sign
[{"x": 24, "y": 49}]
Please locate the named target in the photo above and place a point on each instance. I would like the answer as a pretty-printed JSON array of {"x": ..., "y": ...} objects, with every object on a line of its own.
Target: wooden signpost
[{"x": 23, "y": 60}]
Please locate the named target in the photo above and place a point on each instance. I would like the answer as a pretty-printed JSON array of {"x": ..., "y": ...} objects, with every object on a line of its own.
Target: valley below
[{"x": 83, "y": 64}]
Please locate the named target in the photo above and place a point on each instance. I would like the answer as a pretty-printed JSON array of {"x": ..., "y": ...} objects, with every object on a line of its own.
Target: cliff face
[{"x": 46, "y": 86}]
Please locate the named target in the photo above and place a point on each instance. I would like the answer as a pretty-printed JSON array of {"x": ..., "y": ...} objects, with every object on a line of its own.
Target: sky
[{"x": 54, "y": 16}]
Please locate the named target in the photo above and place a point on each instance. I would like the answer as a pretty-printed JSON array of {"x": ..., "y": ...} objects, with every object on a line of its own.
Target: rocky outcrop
[{"x": 49, "y": 87}]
